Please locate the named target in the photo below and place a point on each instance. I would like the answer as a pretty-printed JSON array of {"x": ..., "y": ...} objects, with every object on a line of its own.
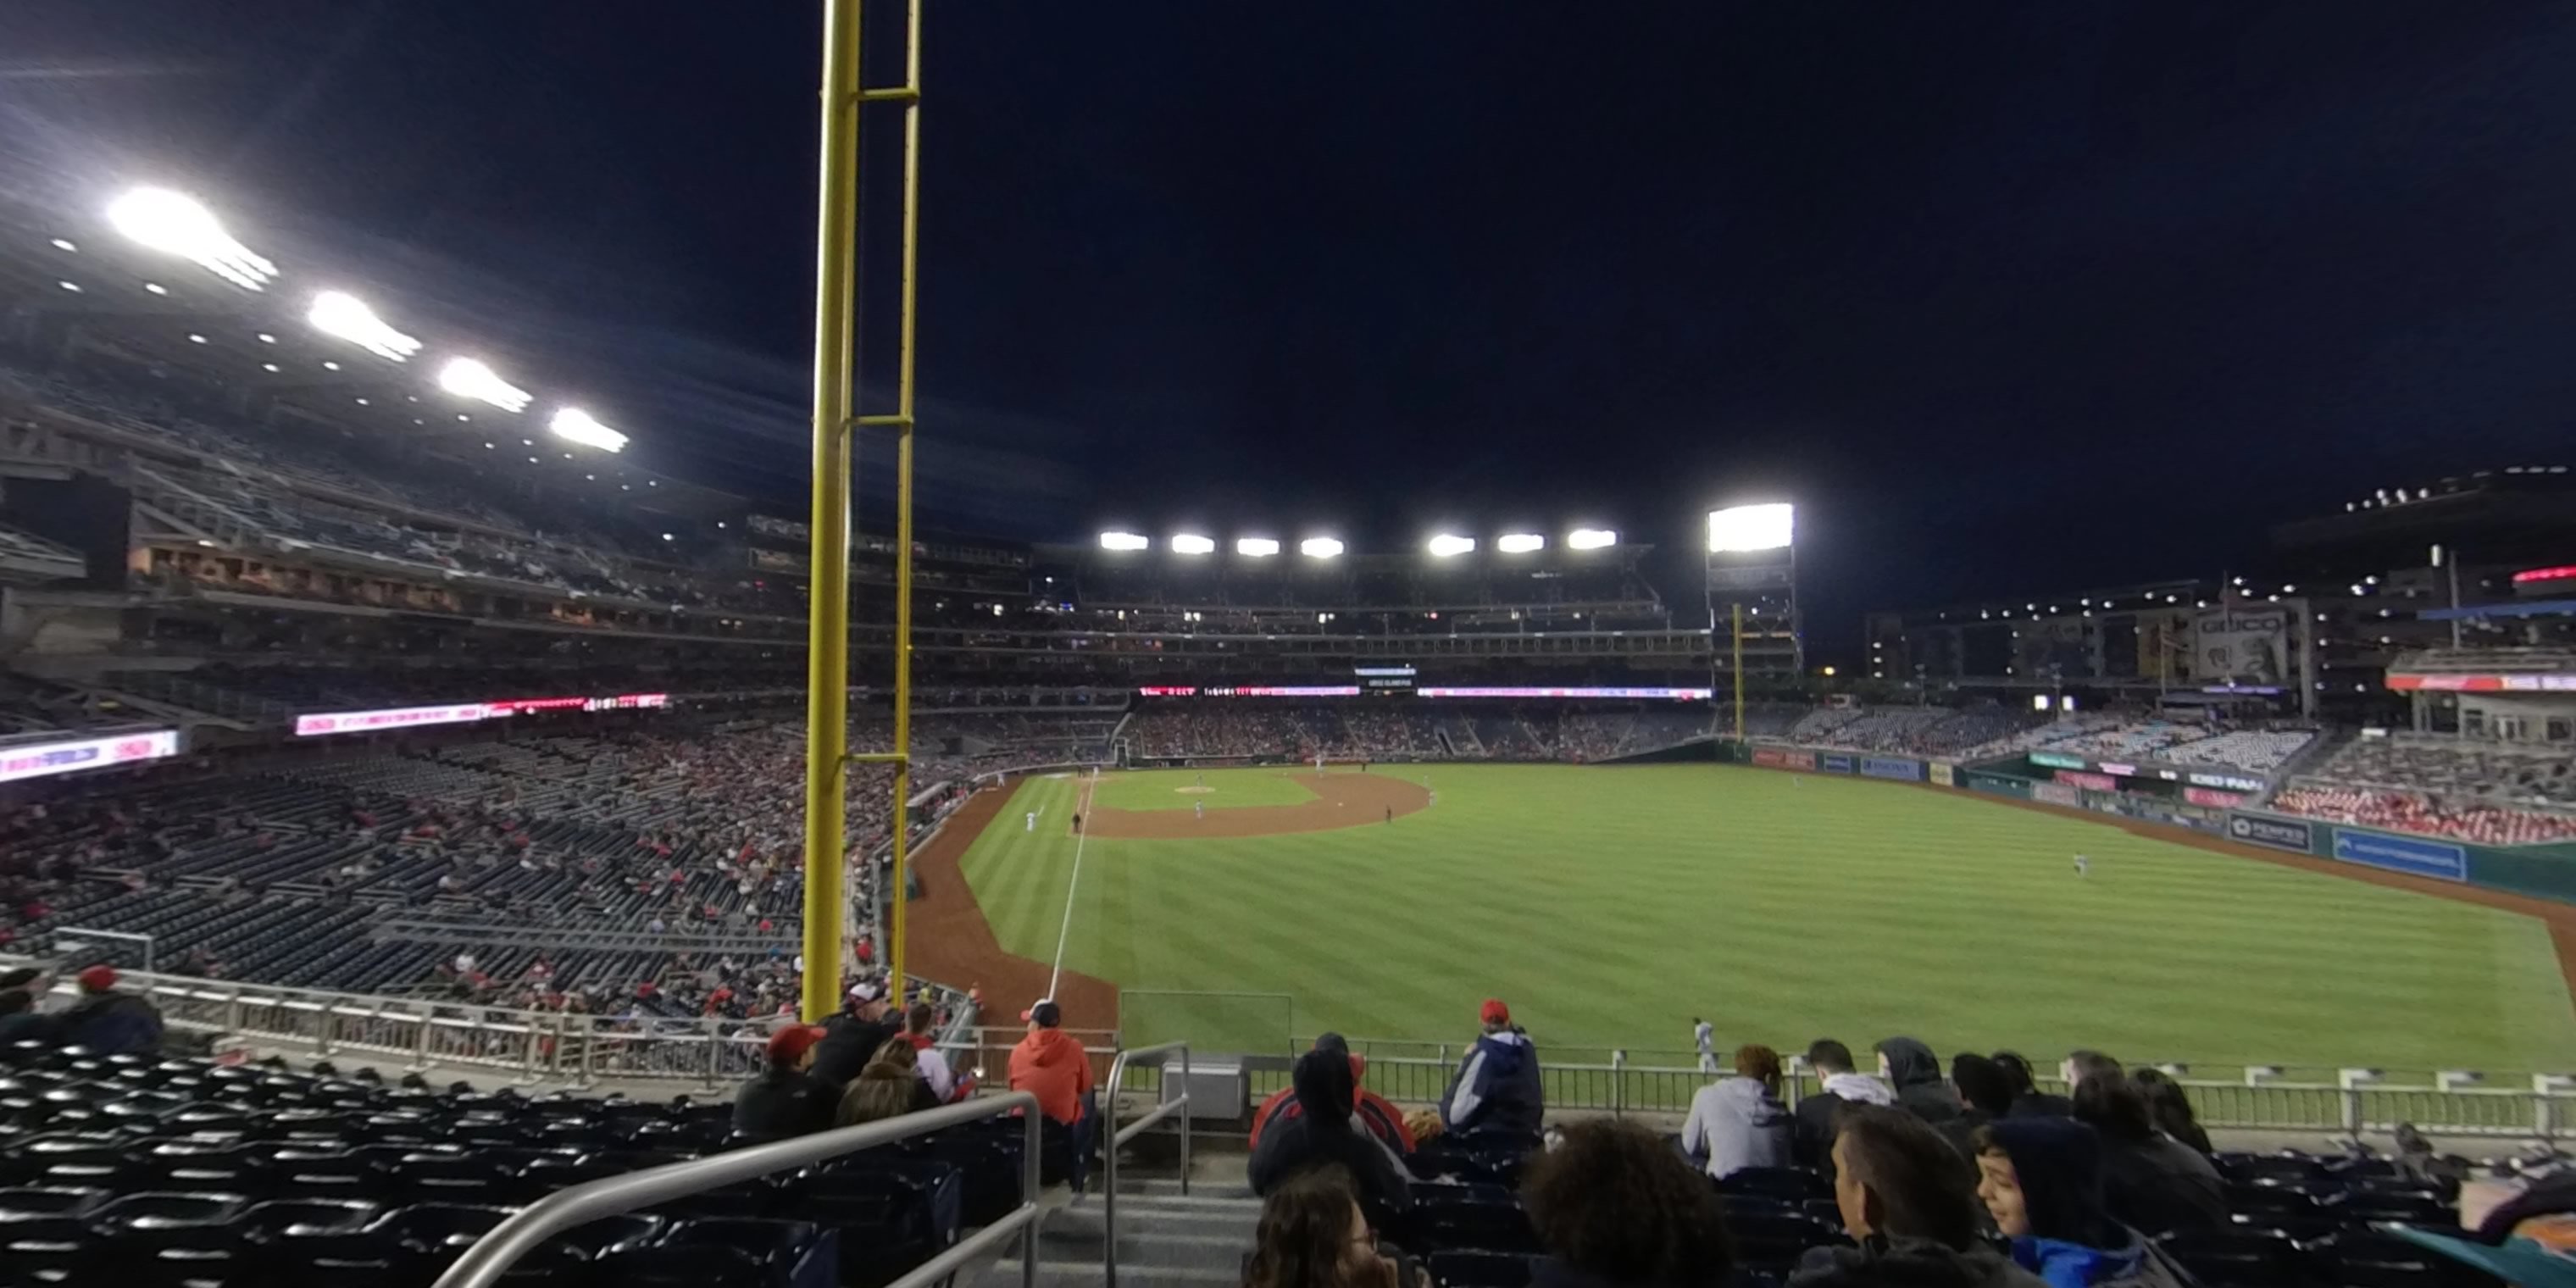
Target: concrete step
[{"x": 1164, "y": 1237}]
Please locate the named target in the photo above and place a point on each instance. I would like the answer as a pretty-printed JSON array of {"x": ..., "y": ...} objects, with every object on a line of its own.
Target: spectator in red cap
[
  {"x": 107, "y": 1020},
  {"x": 1497, "y": 1088},
  {"x": 785, "y": 1100}
]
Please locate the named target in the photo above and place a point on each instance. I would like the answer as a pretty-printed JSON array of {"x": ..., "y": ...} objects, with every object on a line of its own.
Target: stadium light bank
[
  {"x": 573, "y": 425},
  {"x": 1591, "y": 539},
  {"x": 1256, "y": 547},
  {"x": 175, "y": 223},
  {"x": 1191, "y": 543},
  {"x": 1123, "y": 541},
  {"x": 467, "y": 378},
  {"x": 1320, "y": 548},
  {"x": 1520, "y": 543},
  {"x": 340, "y": 314},
  {"x": 1449, "y": 545},
  {"x": 1743, "y": 528}
]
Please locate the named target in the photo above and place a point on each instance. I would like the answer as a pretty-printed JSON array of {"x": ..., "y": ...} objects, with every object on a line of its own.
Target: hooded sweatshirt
[
  {"x": 1738, "y": 1123},
  {"x": 1497, "y": 1087},
  {"x": 1321, "y": 1133},
  {"x": 2073, "y": 1242},
  {"x": 1050, "y": 1065},
  {"x": 1917, "y": 1075}
]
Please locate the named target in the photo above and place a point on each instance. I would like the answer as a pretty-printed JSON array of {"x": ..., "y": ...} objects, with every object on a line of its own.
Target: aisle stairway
[{"x": 1164, "y": 1237}]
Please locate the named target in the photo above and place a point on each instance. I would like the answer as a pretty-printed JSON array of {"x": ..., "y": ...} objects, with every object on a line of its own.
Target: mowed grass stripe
[{"x": 1609, "y": 905}]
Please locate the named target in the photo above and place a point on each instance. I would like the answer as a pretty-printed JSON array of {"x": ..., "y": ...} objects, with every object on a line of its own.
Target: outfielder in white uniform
[{"x": 1705, "y": 1035}]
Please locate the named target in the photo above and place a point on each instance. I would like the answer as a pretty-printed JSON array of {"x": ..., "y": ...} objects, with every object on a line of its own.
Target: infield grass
[
  {"x": 1174, "y": 789},
  {"x": 1610, "y": 905}
]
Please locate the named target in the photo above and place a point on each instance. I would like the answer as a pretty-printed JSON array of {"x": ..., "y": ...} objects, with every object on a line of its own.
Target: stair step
[{"x": 1059, "y": 1274}]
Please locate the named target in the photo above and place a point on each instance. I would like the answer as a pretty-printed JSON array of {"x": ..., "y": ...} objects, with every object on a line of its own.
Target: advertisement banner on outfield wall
[
  {"x": 1944, "y": 773},
  {"x": 2278, "y": 833},
  {"x": 2098, "y": 782},
  {"x": 1904, "y": 771},
  {"x": 2215, "y": 799},
  {"x": 2414, "y": 855},
  {"x": 1772, "y": 756},
  {"x": 1999, "y": 784},
  {"x": 2056, "y": 760},
  {"x": 1805, "y": 760},
  {"x": 2056, "y": 794},
  {"x": 1833, "y": 764}
]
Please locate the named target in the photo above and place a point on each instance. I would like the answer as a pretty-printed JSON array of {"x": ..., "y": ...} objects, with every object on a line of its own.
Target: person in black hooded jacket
[
  {"x": 1323, "y": 1132},
  {"x": 1915, "y": 1073}
]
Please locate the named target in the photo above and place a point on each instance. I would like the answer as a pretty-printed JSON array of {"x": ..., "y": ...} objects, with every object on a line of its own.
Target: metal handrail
[
  {"x": 501, "y": 1247},
  {"x": 1118, "y": 1136}
]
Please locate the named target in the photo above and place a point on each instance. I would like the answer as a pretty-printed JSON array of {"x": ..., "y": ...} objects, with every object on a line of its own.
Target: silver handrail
[
  {"x": 500, "y": 1248},
  {"x": 1118, "y": 1136}
]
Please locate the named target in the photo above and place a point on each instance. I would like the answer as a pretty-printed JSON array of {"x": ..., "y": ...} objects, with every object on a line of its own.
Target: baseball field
[{"x": 1611, "y": 905}]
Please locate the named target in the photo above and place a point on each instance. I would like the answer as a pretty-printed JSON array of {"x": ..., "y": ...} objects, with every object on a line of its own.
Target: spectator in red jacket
[{"x": 1051, "y": 1065}]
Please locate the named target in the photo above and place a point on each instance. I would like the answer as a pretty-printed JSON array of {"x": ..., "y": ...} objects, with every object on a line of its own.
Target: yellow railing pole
[
  {"x": 895, "y": 885},
  {"x": 827, "y": 647}
]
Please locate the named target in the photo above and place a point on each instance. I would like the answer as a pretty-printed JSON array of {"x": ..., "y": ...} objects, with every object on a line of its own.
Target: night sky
[{"x": 2009, "y": 299}]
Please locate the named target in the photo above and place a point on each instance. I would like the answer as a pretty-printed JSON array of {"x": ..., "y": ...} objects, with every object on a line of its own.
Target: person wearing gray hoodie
[{"x": 1739, "y": 1122}]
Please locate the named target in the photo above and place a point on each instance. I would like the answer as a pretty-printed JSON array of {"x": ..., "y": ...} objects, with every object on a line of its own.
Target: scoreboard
[{"x": 1390, "y": 678}]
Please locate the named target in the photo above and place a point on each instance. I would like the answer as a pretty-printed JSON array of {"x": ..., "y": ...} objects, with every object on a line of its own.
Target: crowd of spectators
[
  {"x": 2497, "y": 773},
  {"x": 1973, "y": 1178},
  {"x": 2462, "y": 818},
  {"x": 2258, "y": 749}
]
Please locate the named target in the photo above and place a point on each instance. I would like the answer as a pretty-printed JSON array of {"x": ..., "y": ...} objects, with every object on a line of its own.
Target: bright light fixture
[
  {"x": 574, "y": 425},
  {"x": 194, "y": 338},
  {"x": 1256, "y": 547},
  {"x": 268, "y": 366},
  {"x": 156, "y": 288},
  {"x": 1319, "y": 547},
  {"x": 1191, "y": 543},
  {"x": 329, "y": 365},
  {"x": 176, "y": 224},
  {"x": 467, "y": 378},
  {"x": 1591, "y": 538},
  {"x": 1122, "y": 541},
  {"x": 65, "y": 243},
  {"x": 1749, "y": 527},
  {"x": 1519, "y": 543},
  {"x": 1450, "y": 543},
  {"x": 337, "y": 313},
  {"x": 73, "y": 287}
]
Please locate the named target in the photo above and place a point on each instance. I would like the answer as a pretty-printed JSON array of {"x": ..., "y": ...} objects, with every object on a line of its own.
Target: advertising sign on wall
[
  {"x": 1836, "y": 764},
  {"x": 2242, "y": 644},
  {"x": 2098, "y": 782},
  {"x": 2056, "y": 794},
  {"x": 1772, "y": 756},
  {"x": 1798, "y": 759},
  {"x": 2279, "y": 834},
  {"x": 2415, "y": 855},
  {"x": 2206, "y": 796},
  {"x": 1908, "y": 771},
  {"x": 45, "y": 759},
  {"x": 1944, "y": 773},
  {"x": 2056, "y": 760},
  {"x": 2231, "y": 782}
]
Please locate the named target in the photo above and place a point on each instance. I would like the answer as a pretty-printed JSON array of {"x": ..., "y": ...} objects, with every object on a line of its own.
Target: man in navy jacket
[{"x": 1497, "y": 1087}]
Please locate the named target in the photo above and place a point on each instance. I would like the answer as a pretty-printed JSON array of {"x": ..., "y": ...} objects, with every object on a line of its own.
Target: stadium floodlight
[
  {"x": 1448, "y": 544},
  {"x": 1256, "y": 547},
  {"x": 1740, "y": 528},
  {"x": 338, "y": 313},
  {"x": 1519, "y": 543},
  {"x": 1191, "y": 543},
  {"x": 467, "y": 378},
  {"x": 573, "y": 425},
  {"x": 1122, "y": 541},
  {"x": 177, "y": 224},
  {"x": 65, "y": 244},
  {"x": 1591, "y": 538},
  {"x": 1319, "y": 547}
]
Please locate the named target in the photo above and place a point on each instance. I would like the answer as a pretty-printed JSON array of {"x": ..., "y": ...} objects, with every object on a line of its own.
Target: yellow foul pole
[
  {"x": 910, "y": 97},
  {"x": 827, "y": 646},
  {"x": 1739, "y": 672}
]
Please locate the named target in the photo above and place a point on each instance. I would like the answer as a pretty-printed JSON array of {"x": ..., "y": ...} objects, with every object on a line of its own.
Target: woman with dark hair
[
  {"x": 2041, "y": 1179},
  {"x": 2149, "y": 1179},
  {"x": 1616, "y": 1207},
  {"x": 1915, "y": 1213},
  {"x": 1739, "y": 1122},
  {"x": 1313, "y": 1236},
  {"x": 2027, "y": 1099},
  {"x": 2172, "y": 1109}
]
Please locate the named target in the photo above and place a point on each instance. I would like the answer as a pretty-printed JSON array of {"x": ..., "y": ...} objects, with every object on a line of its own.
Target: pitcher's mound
[{"x": 1341, "y": 800}]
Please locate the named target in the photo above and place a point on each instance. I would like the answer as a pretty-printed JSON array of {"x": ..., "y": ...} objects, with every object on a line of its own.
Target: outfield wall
[{"x": 2539, "y": 871}]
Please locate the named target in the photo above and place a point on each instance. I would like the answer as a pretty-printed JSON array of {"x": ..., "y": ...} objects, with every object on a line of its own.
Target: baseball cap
[
  {"x": 98, "y": 979},
  {"x": 1332, "y": 1042},
  {"x": 866, "y": 991},
  {"x": 792, "y": 1042},
  {"x": 1046, "y": 1013},
  {"x": 1495, "y": 1012}
]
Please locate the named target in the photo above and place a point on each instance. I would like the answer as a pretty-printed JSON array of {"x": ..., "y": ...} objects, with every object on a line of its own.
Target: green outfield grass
[
  {"x": 1609, "y": 905},
  {"x": 1167, "y": 790}
]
